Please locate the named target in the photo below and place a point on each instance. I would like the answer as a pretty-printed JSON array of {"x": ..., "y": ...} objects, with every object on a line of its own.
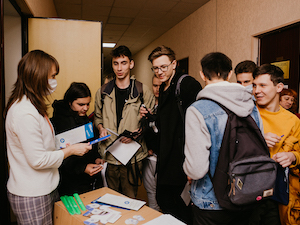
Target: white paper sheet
[
  {"x": 165, "y": 219},
  {"x": 123, "y": 152},
  {"x": 124, "y": 202}
]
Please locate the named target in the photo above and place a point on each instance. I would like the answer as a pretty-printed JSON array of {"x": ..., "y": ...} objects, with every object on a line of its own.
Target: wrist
[
  {"x": 68, "y": 151},
  {"x": 100, "y": 127}
]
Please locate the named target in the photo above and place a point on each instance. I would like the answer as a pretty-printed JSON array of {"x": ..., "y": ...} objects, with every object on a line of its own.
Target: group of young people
[{"x": 180, "y": 144}]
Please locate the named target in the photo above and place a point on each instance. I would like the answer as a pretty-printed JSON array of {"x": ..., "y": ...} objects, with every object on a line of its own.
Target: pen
[
  {"x": 99, "y": 139},
  {"x": 112, "y": 132},
  {"x": 282, "y": 135}
]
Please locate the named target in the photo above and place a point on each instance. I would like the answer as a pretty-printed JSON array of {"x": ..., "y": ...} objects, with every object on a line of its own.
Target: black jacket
[
  {"x": 73, "y": 179},
  {"x": 171, "y": 129}
]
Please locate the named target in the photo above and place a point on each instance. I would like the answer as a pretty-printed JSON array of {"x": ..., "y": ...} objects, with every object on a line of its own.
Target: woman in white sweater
[{"x": 33, "y": 158}]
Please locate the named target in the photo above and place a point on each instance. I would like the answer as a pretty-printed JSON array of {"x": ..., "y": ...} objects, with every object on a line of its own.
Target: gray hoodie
[{"x": 233, "y": 96}]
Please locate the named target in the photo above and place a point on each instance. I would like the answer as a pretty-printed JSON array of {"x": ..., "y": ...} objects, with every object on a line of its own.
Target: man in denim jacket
[{"x": 205, "y": 126}]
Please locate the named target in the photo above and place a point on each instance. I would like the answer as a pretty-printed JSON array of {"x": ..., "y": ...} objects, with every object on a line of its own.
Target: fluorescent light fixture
[{"x": 108, "y": 45}]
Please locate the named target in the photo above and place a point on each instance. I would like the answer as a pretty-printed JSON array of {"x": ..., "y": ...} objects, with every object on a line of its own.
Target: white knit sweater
[{"x": 31, "y": 152}]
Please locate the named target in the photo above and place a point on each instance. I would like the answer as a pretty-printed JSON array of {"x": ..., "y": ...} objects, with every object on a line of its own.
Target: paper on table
[
  {"x": 123, "y": 152},
  {"x": 165, "y": 219},
  {"x": 124, "y": 202}
]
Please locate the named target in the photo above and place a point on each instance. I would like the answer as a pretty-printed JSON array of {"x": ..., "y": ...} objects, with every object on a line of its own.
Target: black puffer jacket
[{"x": 73, "y": 179}]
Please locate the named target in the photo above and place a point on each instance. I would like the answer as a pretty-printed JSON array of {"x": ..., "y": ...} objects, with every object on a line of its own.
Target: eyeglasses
[{"x": 163, "y": 68}]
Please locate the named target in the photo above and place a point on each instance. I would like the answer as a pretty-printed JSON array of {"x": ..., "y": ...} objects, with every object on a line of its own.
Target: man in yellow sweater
[{"x": 282, "y": 134}]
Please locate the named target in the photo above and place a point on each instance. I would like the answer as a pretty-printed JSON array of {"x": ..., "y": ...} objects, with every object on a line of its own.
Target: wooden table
[{"x": 62, "y": 217}]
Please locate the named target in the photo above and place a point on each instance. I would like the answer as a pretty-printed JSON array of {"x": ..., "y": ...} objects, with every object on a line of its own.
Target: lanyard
[{"x": 49, "y": 123}]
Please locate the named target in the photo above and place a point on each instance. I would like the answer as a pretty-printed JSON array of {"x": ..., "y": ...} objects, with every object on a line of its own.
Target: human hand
[
  {"x": 81, "y": 148},
  {"x": 150, "y": 152},
  {"x": 77, "y": 149},
  {"x": 125, "y": 140},
  {"x": 144, "y": 111},
  {"x": 92, "y": 169},
  {"x": 285, "y": 159},
  {"x": 103, "y": 132},
  {"x": 271, "y": 139}
]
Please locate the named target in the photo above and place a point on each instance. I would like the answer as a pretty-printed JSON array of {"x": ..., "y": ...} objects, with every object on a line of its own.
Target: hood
[
  {"x": 233, "y": 96},
  {"x": 60, "y": 108}
]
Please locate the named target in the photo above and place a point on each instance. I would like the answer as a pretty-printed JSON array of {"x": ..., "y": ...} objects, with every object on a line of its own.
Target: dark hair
[
  {"x": 33, "y": 71},
  {"x": 276, "y": 74},
  {"x": 246, "y": 66},
  {"x": 122, "y": 50},
  {"x": 75, "y": 91},
  {"x": 216, "y": 65},
  {"x": 162, "y": 50},
  {"x": 292, "y": 93}
]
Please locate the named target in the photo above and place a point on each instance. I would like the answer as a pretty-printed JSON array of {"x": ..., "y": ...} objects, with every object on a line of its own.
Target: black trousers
[
  {"x": 264, "y": 213},
  {"x": 170, "y": 202},
  {"x": 220, "y": 217}
]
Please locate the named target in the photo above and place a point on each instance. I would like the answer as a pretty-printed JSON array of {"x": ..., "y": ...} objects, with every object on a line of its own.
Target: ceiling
[{"x": 134, "y": 23}]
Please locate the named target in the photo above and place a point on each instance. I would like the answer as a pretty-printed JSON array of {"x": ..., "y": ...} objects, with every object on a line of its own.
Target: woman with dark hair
[
  {"x": 31, "y": 152},
  {"x": 77, "y": 174},
  {"x": 288, "y": 100}
]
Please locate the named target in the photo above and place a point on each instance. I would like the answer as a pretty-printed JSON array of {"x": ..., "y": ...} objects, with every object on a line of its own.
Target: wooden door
[
  {"x": 283, "y": 45},
  {"x": 77, "y": 47}
]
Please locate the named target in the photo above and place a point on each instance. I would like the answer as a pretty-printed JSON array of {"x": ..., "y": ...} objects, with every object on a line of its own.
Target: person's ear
[
  {"x": 131, "y": 64},
  {"x": 229, "y": 75},
  {"x": 174, "y": 64},
  {"x": 203, "y": 76},
  {"x": 279, "y": 87}
]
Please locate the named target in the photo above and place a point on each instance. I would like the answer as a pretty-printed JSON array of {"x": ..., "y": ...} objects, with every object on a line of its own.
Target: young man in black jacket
[{"x": 171, "y": 178}]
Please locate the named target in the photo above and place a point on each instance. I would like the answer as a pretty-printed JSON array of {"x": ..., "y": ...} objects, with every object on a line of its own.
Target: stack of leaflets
[
  {"x": 122, "y": 202},
  {"x": 100, "y": 214}
]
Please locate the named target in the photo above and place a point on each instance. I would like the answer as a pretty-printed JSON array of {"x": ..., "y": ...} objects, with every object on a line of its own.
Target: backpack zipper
[{"x": 259, "y": 171}]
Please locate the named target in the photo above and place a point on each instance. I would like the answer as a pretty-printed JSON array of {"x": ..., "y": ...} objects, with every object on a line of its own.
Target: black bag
[
  {"x": 245, "y": 173},
  {"x": 281, "y": 191}
]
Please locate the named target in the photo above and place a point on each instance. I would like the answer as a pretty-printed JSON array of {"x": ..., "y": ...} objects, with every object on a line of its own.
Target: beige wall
[
  {"x": 228, "y": 26},
  {"x": 41, "y": 8},
  {"x": 76, "y": 45}
]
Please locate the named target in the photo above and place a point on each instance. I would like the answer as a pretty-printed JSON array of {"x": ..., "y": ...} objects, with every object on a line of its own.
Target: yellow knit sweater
[
  {"x": 283, "y": 123},
  {"x": 287, "y": 124}
]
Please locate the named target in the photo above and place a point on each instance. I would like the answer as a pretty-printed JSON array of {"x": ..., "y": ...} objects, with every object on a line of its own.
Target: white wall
[{"x": 12, "y": 46}]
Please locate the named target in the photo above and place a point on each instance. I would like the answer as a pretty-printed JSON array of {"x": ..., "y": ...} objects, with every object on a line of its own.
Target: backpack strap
[
  {"x": 177, "y": 95},
  {"x": 139, "y": 87},
  {"x": 106, "y": 89}
]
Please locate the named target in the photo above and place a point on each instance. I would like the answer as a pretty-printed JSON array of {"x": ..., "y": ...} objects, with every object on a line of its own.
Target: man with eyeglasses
[{"x": 171, "y": 178}]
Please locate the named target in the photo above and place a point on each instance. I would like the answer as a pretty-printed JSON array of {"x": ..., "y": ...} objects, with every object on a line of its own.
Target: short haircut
[
  {"x": 276, "y": 74},
  {"x": 122, "y": 50},
  {"x": 75, "y": 91},
  {"x": 246, "y": 66},
  {"x": 216, "y": 65},
  {"x": 162, "y": 50}
]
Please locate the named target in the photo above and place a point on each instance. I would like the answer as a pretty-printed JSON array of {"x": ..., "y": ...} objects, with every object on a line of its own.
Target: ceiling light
[{"x": 108, "y": 45}]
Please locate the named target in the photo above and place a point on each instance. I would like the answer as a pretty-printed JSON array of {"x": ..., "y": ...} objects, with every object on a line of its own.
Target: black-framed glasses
[{"x": 163, "y": 68}]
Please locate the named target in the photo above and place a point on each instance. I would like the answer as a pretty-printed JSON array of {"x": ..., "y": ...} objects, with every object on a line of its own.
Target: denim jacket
[{"x": 202, "y": 193}]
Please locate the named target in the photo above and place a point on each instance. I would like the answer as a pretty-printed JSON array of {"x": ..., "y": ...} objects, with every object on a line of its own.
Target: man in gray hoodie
[{"x": 205, "y": 126}]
